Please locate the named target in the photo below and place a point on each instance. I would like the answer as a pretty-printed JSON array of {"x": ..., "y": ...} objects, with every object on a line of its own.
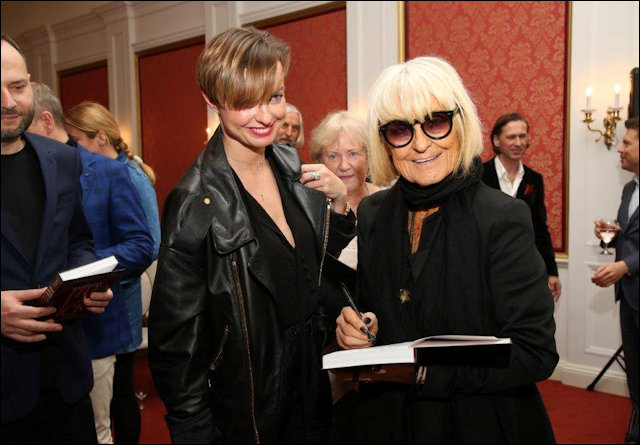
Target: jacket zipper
[
  {"x": 325, "y": 238},
  {"x": 245, "y": 338},
  {"x": 216, "y": 361}
]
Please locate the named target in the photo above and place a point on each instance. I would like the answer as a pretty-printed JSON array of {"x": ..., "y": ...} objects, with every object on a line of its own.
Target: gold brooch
[{"x": 405, "y": 296}]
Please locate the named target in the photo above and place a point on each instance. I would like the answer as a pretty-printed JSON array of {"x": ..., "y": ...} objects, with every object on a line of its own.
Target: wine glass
[
  {"x": 608, "y": 230},
  {"x": 141, "y": 390}
]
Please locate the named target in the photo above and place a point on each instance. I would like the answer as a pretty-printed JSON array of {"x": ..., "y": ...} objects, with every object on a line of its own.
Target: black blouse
[{"x": 294, "y": 270}]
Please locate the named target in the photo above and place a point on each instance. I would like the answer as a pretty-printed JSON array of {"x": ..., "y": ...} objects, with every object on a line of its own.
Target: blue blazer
[
  {"x": 119, "y": 228},
  {"x": 65, "y": 242},
  {"x": 626, "y": 244}
]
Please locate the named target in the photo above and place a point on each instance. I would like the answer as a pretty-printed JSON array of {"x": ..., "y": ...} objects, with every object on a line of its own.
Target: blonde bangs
[{"x": 410, "y": 92}]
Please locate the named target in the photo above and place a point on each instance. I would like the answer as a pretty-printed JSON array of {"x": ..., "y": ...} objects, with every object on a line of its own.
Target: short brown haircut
[
  {"x": 631, "y": 124},
  {"x": 237, "y": 68}
]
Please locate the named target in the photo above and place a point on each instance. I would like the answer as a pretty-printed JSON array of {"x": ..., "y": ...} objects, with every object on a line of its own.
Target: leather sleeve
[{"x": 180, "y": 349}]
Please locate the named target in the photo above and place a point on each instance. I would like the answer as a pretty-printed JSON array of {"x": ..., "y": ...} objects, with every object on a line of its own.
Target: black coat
[
  {"x": 466, "y": 404},
  {"x": 215, "y": 340},
  {"x": 531, "y": 191}
]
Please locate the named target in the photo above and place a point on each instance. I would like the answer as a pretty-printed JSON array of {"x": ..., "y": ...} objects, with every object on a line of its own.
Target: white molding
[
  {"x": 603, "y": 352},
  {"x": 38, "y": 36},
  {"x": 77, "y": 26},
  {"x": 167, "y": 39},
  {"x": 81, "y": 61},
  {"x": 612, "y": 382},
  {"x": 115, "y": 11},
  {"x": 144, "y": 8},
  {"x": 265, "y": 10}
]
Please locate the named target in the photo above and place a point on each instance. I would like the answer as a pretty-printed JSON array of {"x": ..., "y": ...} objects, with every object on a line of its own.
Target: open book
[
  {"x": 452, "y": 350},
  {"x": 68, "y": 290}
]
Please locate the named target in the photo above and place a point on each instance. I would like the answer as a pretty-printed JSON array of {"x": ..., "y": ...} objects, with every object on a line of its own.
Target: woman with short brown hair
[{"x": 236, "y": 329}]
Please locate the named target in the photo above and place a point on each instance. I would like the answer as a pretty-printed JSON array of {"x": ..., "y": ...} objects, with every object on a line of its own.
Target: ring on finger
[{"x": 315, "y": 175}]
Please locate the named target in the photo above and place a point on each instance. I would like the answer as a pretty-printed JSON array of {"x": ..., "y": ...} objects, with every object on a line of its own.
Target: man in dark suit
[
  {"x": 624, "y": 271},
  {"x": 46, "y": 372},
  {"x": 506, "y": 172}
]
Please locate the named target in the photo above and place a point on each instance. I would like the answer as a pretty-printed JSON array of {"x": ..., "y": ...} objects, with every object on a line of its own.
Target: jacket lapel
[
  {"x": 49, "y": 178},
  {"x": 626, "y": 222},
  {"x": 490, "y": 176},
  {"x": 229, "y": 226},
  {"x": 526, "y": 180},
  {"x": 88, "y": 174},
  {"x": 9, "y": 234}
]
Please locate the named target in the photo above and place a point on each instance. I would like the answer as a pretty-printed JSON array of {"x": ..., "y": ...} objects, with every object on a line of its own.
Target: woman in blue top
[{"x": 95, "y": 128}]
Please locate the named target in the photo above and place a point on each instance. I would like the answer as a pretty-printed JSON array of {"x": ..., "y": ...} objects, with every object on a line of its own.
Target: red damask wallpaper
[
  {"x": 317, "y": 80},
  {"x": 173, "y": 114},
  {"x": 91, "y": 84},
  {"x": 512, "y": 58}
]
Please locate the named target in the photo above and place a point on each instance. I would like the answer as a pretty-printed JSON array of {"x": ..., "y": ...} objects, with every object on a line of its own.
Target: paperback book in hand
[
  {"x": 446, "y": 350},
  {"x": 69, "y": 289}
]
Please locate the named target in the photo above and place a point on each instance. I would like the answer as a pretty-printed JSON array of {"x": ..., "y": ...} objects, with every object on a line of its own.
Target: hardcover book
[
  {"x": 69, "y": 289},
  {"x": 447, "y": 350}
]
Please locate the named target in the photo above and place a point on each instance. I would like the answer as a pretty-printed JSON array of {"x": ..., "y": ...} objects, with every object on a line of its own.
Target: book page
[
  {"x": 440, "y": 341},
  {"x": 375, "y": 355},
  {"x": 97, "y": 267}
]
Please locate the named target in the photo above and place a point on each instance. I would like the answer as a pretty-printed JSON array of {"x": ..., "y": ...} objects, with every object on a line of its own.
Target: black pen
[{"x": 345, "y": 291}]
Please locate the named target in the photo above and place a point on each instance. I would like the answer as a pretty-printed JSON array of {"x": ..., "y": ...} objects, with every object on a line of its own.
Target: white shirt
[
  {"x": 633, "y": 204},
  {"x": 506, "y": 186}
]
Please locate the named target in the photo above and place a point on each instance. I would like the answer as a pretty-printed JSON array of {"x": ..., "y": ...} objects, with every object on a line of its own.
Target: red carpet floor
[{"x": 577, "y": 415}]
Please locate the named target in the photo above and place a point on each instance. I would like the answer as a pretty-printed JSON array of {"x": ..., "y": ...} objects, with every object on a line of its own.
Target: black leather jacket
[{"x": 212, "y": 317}]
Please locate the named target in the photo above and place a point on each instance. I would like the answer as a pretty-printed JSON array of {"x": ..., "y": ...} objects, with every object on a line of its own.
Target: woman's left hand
[{"x": 319, "y": 177}]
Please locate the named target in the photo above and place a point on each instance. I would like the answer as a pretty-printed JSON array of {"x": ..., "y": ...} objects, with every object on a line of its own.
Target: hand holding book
[
  {"x": 81, "y": 289},
  {"x": 97, "y": 302},
  {"x": 20, "y": 321}
]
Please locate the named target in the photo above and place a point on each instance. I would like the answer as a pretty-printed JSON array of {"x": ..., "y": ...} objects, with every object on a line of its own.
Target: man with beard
[
  {"x": 46, "y": 372},
  {"x": 506, "y": 172}
]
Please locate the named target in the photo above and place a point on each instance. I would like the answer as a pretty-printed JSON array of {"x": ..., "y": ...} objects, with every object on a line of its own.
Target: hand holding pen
[{"x": 354, "y": 329}]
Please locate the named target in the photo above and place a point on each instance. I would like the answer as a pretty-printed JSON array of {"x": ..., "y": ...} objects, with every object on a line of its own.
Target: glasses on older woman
[{"x": 399, "y": 134}]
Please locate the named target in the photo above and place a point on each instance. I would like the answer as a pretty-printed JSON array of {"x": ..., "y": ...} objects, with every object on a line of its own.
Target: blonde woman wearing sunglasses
[{"x": 441, "y": 253}]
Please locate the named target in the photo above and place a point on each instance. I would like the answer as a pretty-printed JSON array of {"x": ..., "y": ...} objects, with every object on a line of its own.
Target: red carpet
[{"x": 577, "y": 415}]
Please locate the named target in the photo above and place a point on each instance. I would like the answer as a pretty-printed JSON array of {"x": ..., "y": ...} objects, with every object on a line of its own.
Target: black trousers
[
  {"x": 125, "y": 414},
  {"x": 53, "y": 421},
  {"x": 630, "y": 331}
]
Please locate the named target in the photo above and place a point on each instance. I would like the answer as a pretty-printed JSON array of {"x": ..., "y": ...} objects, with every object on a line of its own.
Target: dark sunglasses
[{"x": 399, "y": 134}]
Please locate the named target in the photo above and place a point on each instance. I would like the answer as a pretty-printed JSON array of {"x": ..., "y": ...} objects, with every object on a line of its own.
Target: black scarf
[{"x": 444, "y": 278}]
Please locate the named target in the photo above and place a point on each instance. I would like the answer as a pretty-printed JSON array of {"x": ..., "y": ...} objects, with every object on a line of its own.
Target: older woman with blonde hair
[
  {"x": 340, "y": 143},
  {"x": 441, "y": 253}
]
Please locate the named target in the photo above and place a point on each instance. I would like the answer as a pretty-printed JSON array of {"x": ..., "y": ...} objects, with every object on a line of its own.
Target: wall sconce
[
  {"x": 208, "y": 131},
  {"x": 610, "y": 120}
]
